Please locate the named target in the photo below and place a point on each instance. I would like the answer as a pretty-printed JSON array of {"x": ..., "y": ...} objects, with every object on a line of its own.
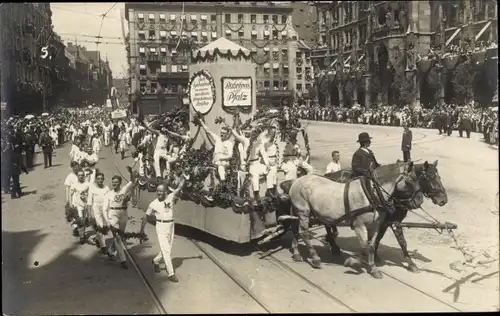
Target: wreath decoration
[
  {"x": 235, "y": 30},
  {"x": 204, "y": 73}
]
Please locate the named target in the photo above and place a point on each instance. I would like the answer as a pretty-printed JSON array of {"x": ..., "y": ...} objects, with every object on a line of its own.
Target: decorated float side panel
[
  {"x": 218, "y": 90},
  {"x": 233, "y": 85}
]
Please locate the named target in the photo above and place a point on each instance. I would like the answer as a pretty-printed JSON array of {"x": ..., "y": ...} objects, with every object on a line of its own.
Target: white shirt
[
  {"x": 223, "y": 149},
  {"x": 161, "y": 142},
  {"x": 117, "y": 200},
  {"x": 333, "y": 167},
  {"x": 163, "y": 210},
  {"x": 97, "y": 196},
  {"x": 77, "y": 188},
  {"x": 70, "y": 179}
]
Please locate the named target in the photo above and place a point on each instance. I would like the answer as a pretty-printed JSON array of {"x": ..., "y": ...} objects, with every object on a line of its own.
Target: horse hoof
[
  {"x": 413, "y": 268},
  {"x": 297, "y": 258},
  {"x": 351, "y": 262},
  {"x": 376, "y": 274},
  {"x": 316, "y": 263}
]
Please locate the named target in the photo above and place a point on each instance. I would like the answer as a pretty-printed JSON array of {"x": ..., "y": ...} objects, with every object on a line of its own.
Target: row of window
[
  {"x": 274, "y": 52},
  {"x": 265, "y": 35},
  {"x": 228, "y": 18},
  {"x": 261, "y": 85}
]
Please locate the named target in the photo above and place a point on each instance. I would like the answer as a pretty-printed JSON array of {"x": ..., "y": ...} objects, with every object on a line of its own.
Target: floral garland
[
  {"x": 276, "y": 28},
  {"x": 260, "y": 63},
  {"x": 195, "y": 26},
  {"x": 260, "y": 47},
  {"x": 164, "y": 27},
  {"x": 236, "y": 30}
]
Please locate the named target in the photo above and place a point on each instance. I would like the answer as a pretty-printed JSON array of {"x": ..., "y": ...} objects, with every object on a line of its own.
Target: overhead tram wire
[
  {"x": 182, "y": 28},
  {"x": 91, "y": 36},
  {"x": 80, "y": 12},
  {"x": 94, "y": 42}
]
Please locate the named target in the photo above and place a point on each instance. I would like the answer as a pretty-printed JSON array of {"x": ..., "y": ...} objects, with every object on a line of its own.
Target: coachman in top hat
[{"x": 363, "y": 163}]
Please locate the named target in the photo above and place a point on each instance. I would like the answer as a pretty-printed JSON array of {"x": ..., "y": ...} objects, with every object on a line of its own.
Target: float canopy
[{"x": 222, "y": 47}]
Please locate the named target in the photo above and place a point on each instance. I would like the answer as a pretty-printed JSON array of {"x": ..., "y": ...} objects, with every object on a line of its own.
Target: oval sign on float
[{"x": 202, "y": 91}]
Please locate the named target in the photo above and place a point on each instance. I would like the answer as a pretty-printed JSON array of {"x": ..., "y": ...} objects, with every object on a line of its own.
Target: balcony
[{"x": 181, "y": 76}]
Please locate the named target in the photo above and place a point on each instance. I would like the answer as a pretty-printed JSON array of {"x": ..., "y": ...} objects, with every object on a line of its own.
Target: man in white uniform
[
  {"x": 115, "y": 207},
  {"x": 223, "y": 149},
  {"x": 162, "y": 208},
  {"x": 78, "y": 200},
  {"x": 106, "y": 127},
  {"x": 243, "y": 139},
  {"x": 95, "y": 202},
  {"x": 256, "y": 168},
  {"x": 294, "y": 160},
  {"x": 160, "y": 151},
  {"x": 270, "y": 160}
]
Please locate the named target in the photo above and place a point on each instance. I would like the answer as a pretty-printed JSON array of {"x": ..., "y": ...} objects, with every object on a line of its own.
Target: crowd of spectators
[
  {"x": 482, "y": 120},
  {"x": 456, "y": 50}
]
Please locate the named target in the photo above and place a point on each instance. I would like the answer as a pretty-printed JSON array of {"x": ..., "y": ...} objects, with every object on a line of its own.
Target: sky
[{"x": 82, "y": 21}]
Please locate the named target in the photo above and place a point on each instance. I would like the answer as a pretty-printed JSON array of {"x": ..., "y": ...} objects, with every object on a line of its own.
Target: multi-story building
[
  {"x": 363, "y": 46},
  {"x": 91, "y": 77},
  {"x": 25, "y": 31},
  {"x": 163, "y": 35}
]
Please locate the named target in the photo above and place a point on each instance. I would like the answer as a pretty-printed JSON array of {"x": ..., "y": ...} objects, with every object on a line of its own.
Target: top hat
[{"x": 363, "y": 137}]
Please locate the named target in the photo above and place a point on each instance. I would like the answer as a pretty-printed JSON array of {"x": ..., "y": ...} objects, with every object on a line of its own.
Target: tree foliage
[{"x": 463, "y": 82}]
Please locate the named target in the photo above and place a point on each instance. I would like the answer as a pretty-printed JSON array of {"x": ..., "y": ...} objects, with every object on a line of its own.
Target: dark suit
[
  {"x": 47, "y": 145},
  {"x": 466, "y": 125},
  {"x": 16, "y": 166},
  {"x": 29, "y": 148},
  {"x": 406, "y": 145},
  {"x": 449, "y": 124},
  {"x": 363, "y": 162}
]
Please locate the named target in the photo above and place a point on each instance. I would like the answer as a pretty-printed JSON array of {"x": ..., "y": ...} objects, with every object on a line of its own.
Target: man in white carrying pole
[{"x": 162, "y": 208}]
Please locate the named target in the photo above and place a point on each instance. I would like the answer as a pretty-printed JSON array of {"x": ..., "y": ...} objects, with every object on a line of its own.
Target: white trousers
[
  {"x": 101, "y": 222},
  {"x": 123, "y": 145},
  {"x": 118, "y": 219},
  {"x": 158, "y": 154},
  {"x": 241, "y": 180},
  {"x": 165, "y": 233},
  {"x": 272, "y": 175},
  {"x": 256, "y": 170},
  {"x": 221, "y": 168}
]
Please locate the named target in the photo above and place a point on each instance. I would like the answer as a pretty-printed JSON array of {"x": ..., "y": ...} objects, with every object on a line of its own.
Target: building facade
[
  {"x": 91, "y": 78},
  {"x": 25, "y": 69},
  {"x": 381, "y": 52},
  {"x": 163, "y": 35}
]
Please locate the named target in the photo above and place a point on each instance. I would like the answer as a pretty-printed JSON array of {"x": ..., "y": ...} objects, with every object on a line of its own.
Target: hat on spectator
[{"x": 363, "y": 137}]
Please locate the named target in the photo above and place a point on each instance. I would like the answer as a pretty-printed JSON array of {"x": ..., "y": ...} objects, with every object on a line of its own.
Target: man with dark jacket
[
  {"x": 406, "y": 143},
  {"x": 362, "y": 165},
  {"x": 363, "y": 160},
  {"x": 29, "y": 147},
  {"x": 449, "y": 124},
  {"x": 16, "y": 166},
  {"x": 47, "y": 144},
  {"x": 465, "y": 124}
]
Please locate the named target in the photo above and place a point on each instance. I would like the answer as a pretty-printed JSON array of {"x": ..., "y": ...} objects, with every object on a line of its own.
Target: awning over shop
[
  {"x": 276, "y": 65},
  {"x": 151, "y": 16},
  {"x": 266, "y": 65},
  {"x": 228, "y": 32},
  {"x": 162, "y": 16}
]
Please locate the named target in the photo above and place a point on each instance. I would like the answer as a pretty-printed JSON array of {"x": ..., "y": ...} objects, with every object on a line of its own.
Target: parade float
[{"x": 222, "y": 95}]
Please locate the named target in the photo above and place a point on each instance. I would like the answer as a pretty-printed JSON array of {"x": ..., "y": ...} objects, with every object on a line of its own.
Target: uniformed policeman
[
  {"x": 47, "y": 144},
  {"x": 16, "y": 166}
]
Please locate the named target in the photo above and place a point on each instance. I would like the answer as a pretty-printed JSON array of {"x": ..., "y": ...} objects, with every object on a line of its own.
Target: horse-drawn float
[{"x": 233, "y": 190}]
